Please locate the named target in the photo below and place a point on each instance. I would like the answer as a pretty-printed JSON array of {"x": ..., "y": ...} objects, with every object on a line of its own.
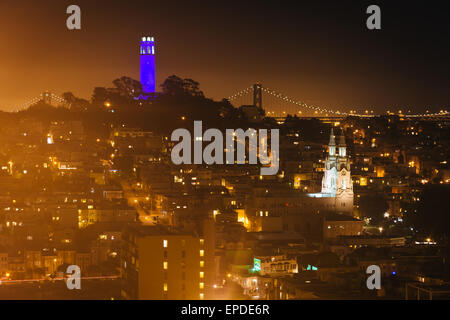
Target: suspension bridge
[
  {"x": 279, "y": 106},
  {"x": 46, "y": 97}
]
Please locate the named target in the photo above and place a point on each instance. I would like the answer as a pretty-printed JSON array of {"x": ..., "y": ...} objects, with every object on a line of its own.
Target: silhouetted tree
[
  {"x": 128, "y": 87},
  {"x": 173, "y": 85},
  {"x": 191, "y": 87},
  {"x": 75, "y": 104},
  {"x": 177, "y": 86},
  {"x": 99, "y": 96}
]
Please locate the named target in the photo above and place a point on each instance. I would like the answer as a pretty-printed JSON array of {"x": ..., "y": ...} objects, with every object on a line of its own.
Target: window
[
  {"x": 202, "y": 274},
  {"x": 165, "y": 286},
  {"x": 202, "y": 264},
  {"x": 202, "y": 241},
  {"x": 202, "y": 253},
  {"x": 165, "y": 265},
  {"x": 202, "y": 285},
  {"x": 165, "y": 242}
]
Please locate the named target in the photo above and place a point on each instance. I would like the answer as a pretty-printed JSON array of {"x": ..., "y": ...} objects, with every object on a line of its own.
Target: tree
[
  {"x": 173, "y": 85},
  {"x": 100, "y": 95},
  {"x": 177, "y": 86},
  {"x": 191, "y": 87},
  {"x": 75, "y": 104},
  {"x": 128, "y": 87}
]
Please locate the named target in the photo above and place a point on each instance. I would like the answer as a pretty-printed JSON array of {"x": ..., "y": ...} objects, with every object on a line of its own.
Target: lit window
[
  {"x": 202, "y": 285},
  {"x": 165, "y": 243},
  {"x": 202, "y": 296},
  {"x": 202, "y": 253},
  {"x": 165, "y": 286},
  {"x": 165, "y": 265},
  {"x": 202, "y": 241},
  {"x": 202, "y": 264},
  {"x": 202, "y": 274}
]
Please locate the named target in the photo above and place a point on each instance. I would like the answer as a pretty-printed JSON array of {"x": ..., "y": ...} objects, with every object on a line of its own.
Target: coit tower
[{"x": 147, "y": 51}]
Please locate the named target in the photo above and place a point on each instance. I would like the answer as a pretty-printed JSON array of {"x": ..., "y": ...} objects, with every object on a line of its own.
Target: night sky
[{"x": 319, "y": 52}]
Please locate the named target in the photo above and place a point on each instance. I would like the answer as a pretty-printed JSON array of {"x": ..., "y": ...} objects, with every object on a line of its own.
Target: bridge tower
[
  {"x": 257, "y": 95},
  {"x": 46, "y": 97},
  {"x": 147, "y": 52}
]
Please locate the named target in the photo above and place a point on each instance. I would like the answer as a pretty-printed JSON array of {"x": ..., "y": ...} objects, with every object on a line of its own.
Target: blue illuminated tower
[{"x": 148, "y": 80}]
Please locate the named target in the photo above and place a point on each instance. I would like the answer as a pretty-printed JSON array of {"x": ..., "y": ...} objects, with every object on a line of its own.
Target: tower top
[
  {"x": 148, "y": 39},
  {"x": 342, "y": 139},
  {"x": 332, "y": 142}
]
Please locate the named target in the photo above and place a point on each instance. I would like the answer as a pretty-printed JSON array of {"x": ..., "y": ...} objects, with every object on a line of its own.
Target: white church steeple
[
  {"x": 332, "y": 144},
  {"x": 337, "y": 178},
  {"x": 342, "y": 146},
  {"x": 337, "y": 186}
]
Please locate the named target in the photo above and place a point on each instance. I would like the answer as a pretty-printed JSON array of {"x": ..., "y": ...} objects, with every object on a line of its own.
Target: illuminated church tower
[
  {"x": 337, "y": 180},
  {"x": 147, "y": 51},
  {"x": 329, "y": 180}
]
